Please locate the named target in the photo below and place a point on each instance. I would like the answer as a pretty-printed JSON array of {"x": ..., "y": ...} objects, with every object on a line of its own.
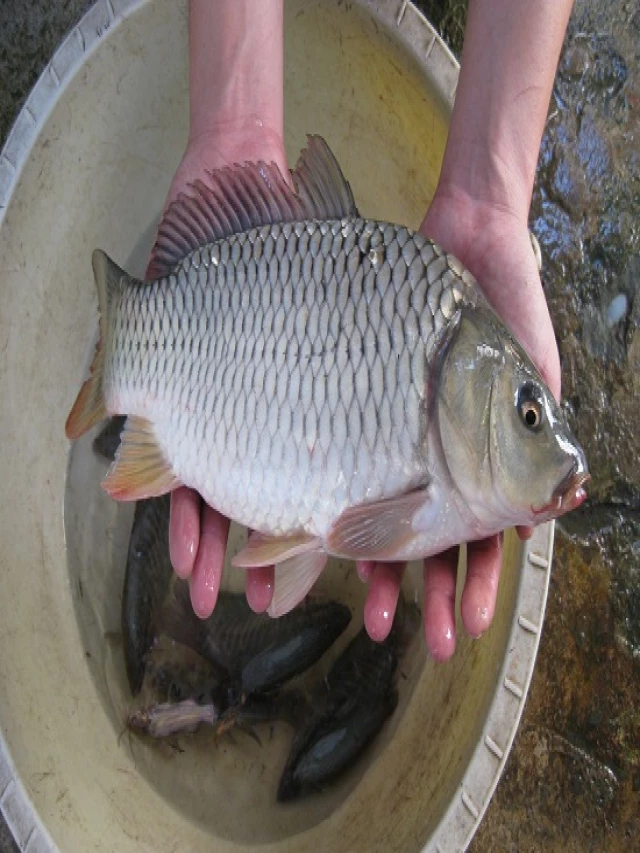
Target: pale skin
[{"x": 479, "y": 213}]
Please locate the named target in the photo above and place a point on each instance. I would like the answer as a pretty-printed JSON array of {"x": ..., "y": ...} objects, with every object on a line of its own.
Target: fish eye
[{"x": 530, "y": 406}]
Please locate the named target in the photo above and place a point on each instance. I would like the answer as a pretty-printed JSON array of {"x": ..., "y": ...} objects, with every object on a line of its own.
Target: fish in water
[
  {"x": 257, "y": 653},
  {"x": 147, "y": 577},
  {"x": 349, "y": 710},
  {"x": 174, "y": 672},
  {"x": 181, "y": 690},
  {"x": 338, "y": 385},
  {"x": 185, "y": 716},
  {"x": 247, "y": 649}
]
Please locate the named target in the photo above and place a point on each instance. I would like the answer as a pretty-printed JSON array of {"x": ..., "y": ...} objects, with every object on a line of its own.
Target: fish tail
[{"x": 89, "y": 407}]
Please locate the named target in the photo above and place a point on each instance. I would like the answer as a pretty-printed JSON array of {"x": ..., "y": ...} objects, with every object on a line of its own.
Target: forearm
[
  {"x": 508, "y": 66},
  {"x": 235, "y": 67}
]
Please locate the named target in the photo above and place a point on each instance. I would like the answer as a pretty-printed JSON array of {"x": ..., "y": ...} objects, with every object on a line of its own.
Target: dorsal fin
[
  {"x": 320, "y": 184},
  {"x": 238, "y": 198}
]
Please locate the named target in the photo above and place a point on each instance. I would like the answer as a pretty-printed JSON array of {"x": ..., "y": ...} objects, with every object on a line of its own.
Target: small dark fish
[
  {"x": 147, "y": 578},
  {"x": 183, "y": 716},
  {"x": 180, "y": 690},
  {"x": 359, "y": 695},
  {"x": 259, "y": 653},
  {"x": 107, "y": 441},
  {"x": 174, "y": 672},
  {"x": 336, "y": 744},
  {"x": 287, "y": 705}
]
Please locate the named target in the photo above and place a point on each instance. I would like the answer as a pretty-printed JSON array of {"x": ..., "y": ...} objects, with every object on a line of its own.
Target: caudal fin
[{"x": 89, "y": 407}]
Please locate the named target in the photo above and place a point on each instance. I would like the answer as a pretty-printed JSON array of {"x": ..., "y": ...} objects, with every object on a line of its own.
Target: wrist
[
  {"x": 494, "y": 245},
  {"x": 227, "y": 144},
  {"x": 237, "y": 139},
  {"x": 466, "y": 223},
  {"x": 230, "y": 120},
  {"x": 486, "y": 178}
]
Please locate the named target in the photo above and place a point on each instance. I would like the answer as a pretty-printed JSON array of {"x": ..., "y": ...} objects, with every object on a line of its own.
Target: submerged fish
[
  {"x": 181, "y": 690},
  {"x": 160, "y": 719},
  {"x": 258, "y": 654},
  {"x": 247, "y": 649},
  {"x": 339, "y": 385},
  {"x": 356, "y": 698},
  {"x": 147, "y": 577},
  {"x": 174, "y": 672}
]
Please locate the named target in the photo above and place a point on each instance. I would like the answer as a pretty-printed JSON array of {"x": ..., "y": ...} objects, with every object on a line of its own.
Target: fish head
[{"x": 506, "y": 442}]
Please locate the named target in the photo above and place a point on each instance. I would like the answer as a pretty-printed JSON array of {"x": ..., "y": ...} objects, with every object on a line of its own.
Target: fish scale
[{"x": 297, "y": 352}]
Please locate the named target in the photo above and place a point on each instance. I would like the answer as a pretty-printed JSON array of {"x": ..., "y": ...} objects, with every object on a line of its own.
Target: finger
[
  {"x": 382, "y": 599},
  {"x": 184, "y": 530},
  {"x": 259, "y": 585},
  {"x": 365, "y": 569},
  {"x": 524, "y": 533},
  {"x": 484, "y": 560},
  {"x": 439, "y": 604},
  {"x": 207, "y": 570}
]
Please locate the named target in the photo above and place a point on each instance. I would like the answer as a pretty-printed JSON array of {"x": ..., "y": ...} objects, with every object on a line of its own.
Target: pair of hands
[{"x": 493, "y": 242}]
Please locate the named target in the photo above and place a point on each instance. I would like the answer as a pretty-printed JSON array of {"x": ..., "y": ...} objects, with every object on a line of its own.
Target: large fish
[{"x": 339, "y": 385}]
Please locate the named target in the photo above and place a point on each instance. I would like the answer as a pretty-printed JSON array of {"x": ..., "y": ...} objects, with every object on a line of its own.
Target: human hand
[{"x": 493, "y": 243}]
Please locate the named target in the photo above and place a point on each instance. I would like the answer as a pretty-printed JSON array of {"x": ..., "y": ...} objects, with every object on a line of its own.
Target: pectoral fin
[
  {"x": 263, "y": 550},
  {"x": 299, "y": 560},
  {"x": 377, "y": 531},
  {"x": 293, "y": 580},
  {"x": 140, "y": 469}
]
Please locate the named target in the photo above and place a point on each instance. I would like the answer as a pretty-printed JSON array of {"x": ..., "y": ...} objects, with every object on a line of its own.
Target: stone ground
[{"x": 572, "y": 781}]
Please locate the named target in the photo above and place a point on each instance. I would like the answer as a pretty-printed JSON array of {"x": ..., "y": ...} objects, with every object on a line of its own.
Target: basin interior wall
[{"x": 97, "y": 176}]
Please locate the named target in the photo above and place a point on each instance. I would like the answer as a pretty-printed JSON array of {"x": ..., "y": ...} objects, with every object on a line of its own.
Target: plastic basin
[{"x": 88, "y": 164}]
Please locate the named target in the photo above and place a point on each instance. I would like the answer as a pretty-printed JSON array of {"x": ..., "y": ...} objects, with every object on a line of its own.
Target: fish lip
[{"x": 568, "y": 496}]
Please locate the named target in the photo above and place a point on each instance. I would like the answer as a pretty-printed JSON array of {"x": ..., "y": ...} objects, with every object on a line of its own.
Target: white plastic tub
[{"x": 88, "y": 164}]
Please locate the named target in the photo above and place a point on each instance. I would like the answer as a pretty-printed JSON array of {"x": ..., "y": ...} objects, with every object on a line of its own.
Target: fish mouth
[{"x": 568, "y": 496}]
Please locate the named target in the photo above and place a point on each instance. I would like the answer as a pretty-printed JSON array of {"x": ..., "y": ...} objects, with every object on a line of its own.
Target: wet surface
[{"x": 572, "y": 781}]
